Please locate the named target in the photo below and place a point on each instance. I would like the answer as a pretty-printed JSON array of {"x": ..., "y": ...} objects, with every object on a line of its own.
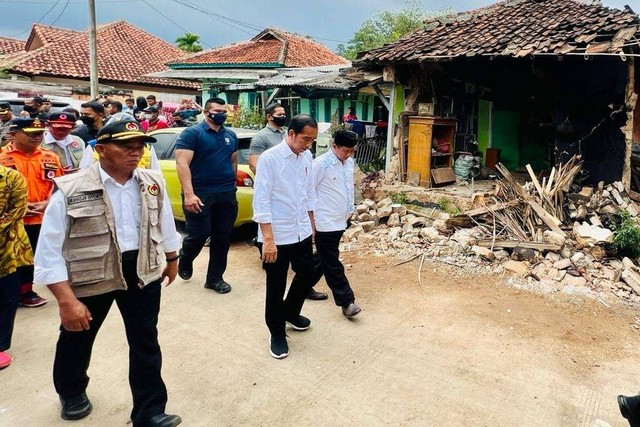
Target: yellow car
[{"x": 165, "y": 150}]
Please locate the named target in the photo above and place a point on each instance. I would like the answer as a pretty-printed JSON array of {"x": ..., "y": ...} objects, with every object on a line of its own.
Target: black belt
[{"x": 130, "y": 255}]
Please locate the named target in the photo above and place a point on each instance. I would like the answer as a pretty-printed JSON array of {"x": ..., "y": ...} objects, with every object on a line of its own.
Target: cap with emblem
[
  {"x": 26, "y": 124},
  {"x": 61, "y": 120},
  {"x": 120, "y": 131},
  {"x": 5, "y": 107}
]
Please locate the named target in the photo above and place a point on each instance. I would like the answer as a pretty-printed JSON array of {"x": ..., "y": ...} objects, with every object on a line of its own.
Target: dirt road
[{"x": 451, "y": 352}]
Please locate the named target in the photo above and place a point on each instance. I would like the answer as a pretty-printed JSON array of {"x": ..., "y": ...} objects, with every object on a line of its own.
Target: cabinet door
[{"x": 419, "y": 155}]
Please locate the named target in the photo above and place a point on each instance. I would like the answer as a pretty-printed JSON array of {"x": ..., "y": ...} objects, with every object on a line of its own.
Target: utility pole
[{"x": 93, "y": 50}]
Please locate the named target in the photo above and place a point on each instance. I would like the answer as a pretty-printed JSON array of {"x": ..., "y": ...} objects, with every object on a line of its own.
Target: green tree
[
  {"x": 386, "y": 27},
  {"x": 189, "y": 42}
]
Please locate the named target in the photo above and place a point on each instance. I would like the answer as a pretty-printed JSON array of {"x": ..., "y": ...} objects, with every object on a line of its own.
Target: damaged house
[{"x": 531, "y": 81}]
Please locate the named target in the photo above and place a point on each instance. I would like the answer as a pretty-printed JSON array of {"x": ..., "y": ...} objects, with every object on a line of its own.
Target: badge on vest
[
  {"x": 49, "y": 170},
  {"x": 227, "y": 140},
  {"x": 88, "y": 196},
  {"x": 153, "y": 189}
]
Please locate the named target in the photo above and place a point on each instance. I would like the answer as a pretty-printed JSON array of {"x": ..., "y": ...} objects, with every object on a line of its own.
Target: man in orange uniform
[{"x": 39, "y": 166}]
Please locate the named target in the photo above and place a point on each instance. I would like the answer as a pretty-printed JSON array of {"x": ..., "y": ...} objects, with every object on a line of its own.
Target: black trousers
[
  {"x": 9, "y": 296},
  {"x": 327, "y": 245},
  {"x": 215, "y": 221},
  {"x": 277, "y": 308},
  {"x": 139, "y": 309},
  {"x": 326, "y": 261},
  {"x": 33, "y": 232}
]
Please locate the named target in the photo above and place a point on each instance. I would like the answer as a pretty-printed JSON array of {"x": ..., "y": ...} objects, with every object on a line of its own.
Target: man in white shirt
[
  {"x": 283, "y": 204},
  {"x": 103, "y": 237},
  {"x": 69, "y": 148},
  {"x": 333, "y": 178}
]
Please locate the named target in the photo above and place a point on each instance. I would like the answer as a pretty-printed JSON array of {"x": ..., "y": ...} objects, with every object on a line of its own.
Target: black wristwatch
[{"x": 175, "y": 258}]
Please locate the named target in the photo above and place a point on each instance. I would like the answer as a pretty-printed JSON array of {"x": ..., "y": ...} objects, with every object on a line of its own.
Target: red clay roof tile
[
  {"x": 271, "y": 46},
  {"x": 125, "y": 54}
]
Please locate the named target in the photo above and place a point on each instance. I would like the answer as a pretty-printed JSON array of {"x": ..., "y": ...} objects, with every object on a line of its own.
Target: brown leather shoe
[{"x": 316, "y": 296}]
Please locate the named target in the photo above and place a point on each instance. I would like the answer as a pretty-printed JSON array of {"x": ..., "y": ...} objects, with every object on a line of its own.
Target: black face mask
[
  {"x": 88, "y": 121},
  {"x": 218, "y": 118},
  {"x": 279, "y": 121},
  {"x": 29, "y": 109}
]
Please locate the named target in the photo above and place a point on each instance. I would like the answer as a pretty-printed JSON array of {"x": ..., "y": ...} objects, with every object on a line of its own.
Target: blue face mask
[{"x": 218, "y": 118}]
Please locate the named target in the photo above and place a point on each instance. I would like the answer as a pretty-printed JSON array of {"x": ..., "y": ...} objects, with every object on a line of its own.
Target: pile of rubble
[{"x": 576, "y": 251}]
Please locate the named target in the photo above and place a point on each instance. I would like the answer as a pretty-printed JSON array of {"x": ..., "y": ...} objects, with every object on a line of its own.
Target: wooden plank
[
  {"x": 534, "y": 179},
  {"x": 551, "y": 221},
  {"x": 550, "y": 181},
  {"x": 512, "y": 244},
  {"x": 443, "y": 175},
  {"x": 633, "y": 195},
  {"x": 491, "y": 208}
]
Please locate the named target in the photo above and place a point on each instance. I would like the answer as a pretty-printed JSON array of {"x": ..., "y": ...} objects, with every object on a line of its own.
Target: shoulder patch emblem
[{"x": 153, "y": 189}]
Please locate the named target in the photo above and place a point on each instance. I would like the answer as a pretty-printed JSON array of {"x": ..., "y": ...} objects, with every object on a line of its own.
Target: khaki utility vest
[
  {"x": 90, "y": 249},
  {"x": 76, "y": 149}
]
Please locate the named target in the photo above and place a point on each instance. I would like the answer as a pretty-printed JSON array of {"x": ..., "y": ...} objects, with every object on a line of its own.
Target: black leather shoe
[
  {"x": 630, "y": 409},
  {"x": 351, "y": 310},
  {"x": 75, "y": 408},
  {"x": 316, "y": 296},
  {"x": 220, "y": 287},
  {"x": 164, "y": 420},
  {"x": 185, "y": 268}
]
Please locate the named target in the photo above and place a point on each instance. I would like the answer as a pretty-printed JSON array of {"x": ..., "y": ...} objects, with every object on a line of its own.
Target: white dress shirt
[
  {"x": 50, "y": 266},
  {"x": 284, "y": 194},
  {"x": 334, "y": 191}
]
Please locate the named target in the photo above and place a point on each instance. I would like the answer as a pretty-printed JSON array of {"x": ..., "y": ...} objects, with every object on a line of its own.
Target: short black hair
[
  {"x": 116, "y": 104},
  {"x": 214, "y": 101},
  {"x": 271, "y": 108},
  {"x": 345, "y": 138},
  {"x": 130, "y": 99},
  {"x": 151, "y": 97},
  {"x": 299, "y": 122},
  {"x": 95, "y": 106}
]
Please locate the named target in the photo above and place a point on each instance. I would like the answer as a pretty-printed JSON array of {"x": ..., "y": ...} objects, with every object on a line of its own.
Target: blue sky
[{"x": 221, "y": 22}]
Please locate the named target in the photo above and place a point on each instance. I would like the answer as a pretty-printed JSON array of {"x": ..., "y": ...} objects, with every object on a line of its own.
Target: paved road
[{"x": 451, "y": 352}]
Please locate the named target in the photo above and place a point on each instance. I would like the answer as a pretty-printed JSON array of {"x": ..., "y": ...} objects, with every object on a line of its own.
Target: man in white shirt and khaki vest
[
  {"x": 283, "y": 204},
  {"x": 106, "y": 235},
  {"x": 57, "y": 138}
]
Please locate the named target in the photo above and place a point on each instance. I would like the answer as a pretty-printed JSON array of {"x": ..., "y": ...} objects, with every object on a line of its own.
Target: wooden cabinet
[{"x": 431, "y": 141}]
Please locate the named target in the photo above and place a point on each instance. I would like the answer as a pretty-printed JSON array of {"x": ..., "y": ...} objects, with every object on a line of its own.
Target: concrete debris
[{"x": 572, "y": 255}]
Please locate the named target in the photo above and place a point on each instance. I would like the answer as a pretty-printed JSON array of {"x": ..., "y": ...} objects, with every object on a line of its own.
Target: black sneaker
[
  {"x": 220, "y": 286},
  {"x": 278, "y": 347},
  {"x": 185, "y": 268},
  {"x": 300, "y": 324},
  {"x": 75, "y": 408}
]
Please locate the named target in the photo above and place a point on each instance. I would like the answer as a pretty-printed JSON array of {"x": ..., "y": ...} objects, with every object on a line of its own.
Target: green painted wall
[
  {"x": 506, "y": 131},
  {"x": 399, "y": 103},
  {"x": 484, "y": 125}
]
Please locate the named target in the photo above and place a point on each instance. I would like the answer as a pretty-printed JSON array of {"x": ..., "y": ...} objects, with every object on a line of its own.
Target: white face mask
[{"x": 148, "y": 116}]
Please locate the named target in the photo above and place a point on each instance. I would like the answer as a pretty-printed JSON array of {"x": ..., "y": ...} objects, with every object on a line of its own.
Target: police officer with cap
[
  {"x": 118, "y": 243},
  {"x": 69, "y": 148},
  {"x": 39, "y": 166}
]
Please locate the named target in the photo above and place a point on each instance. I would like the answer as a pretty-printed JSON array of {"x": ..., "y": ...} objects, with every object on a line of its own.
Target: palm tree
[{"x": 189, "y": 42}]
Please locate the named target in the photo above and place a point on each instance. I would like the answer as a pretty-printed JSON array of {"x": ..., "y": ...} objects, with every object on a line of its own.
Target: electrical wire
[
  {"x": 171, "y": 20},
  {"x": 61, "y": 13},
  {"x": 39, "y": 20}
]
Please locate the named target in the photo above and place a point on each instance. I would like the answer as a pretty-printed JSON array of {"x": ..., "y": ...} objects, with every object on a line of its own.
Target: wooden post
[
  {"x": 390, "y": 128},
  {"x": 631, "y": 99}
]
